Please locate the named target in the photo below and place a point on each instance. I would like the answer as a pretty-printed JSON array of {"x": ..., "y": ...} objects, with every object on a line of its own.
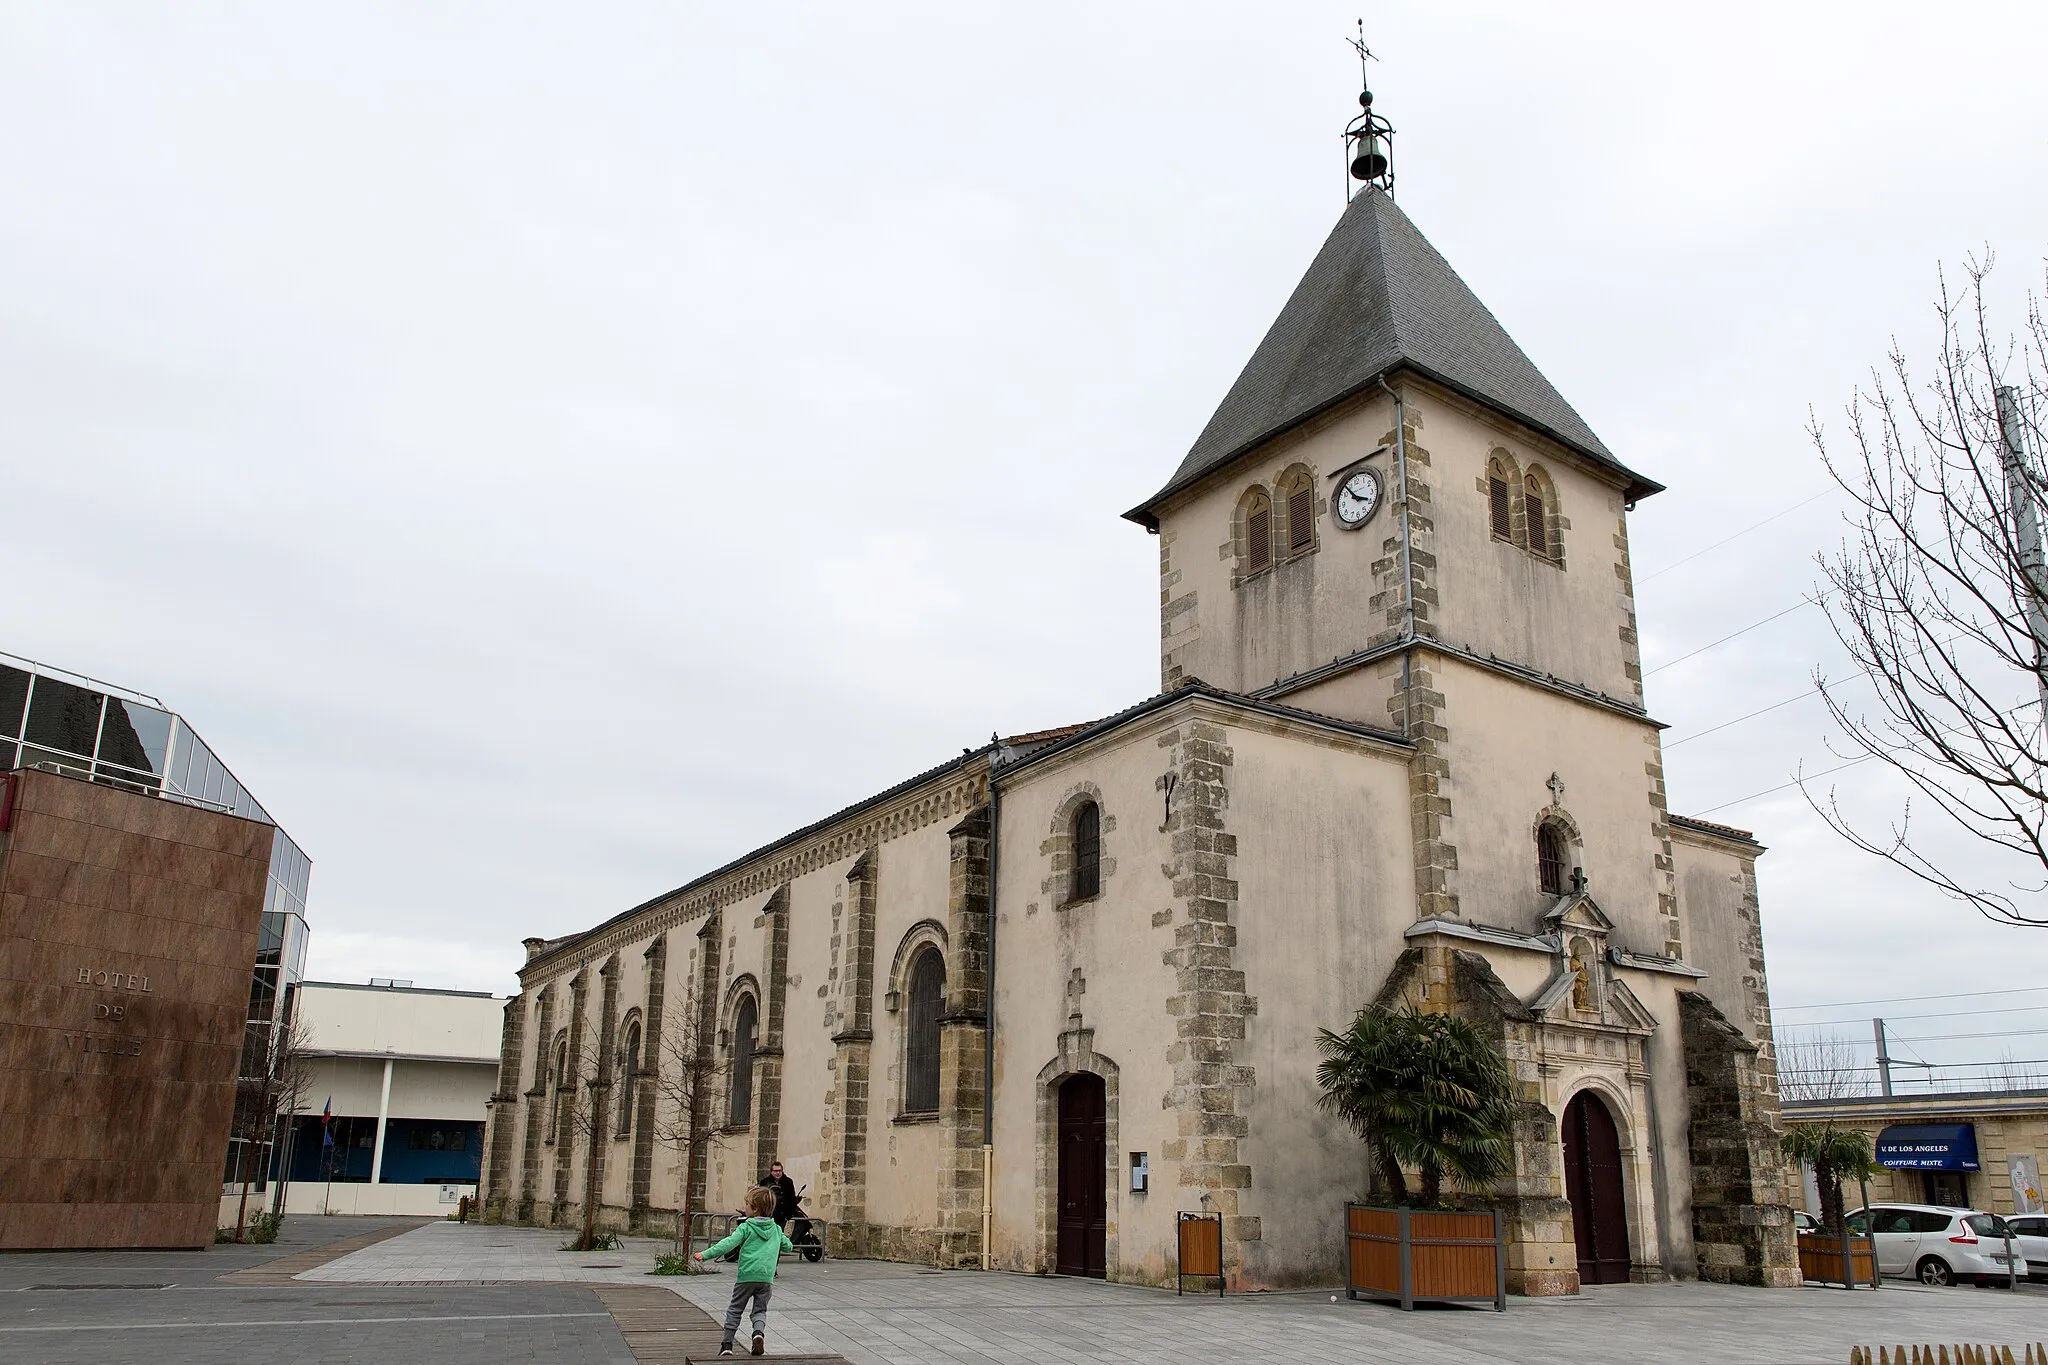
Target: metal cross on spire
[{"x": 1368, "y": 139}]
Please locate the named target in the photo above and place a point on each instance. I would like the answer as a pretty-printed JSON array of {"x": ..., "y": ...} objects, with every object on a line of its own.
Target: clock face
[{"x": 1358, "y": 497}]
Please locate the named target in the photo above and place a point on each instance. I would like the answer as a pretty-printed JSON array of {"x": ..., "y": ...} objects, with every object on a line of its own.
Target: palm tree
[
  {"x": 1423, "y": 1090},
  {"x": 1836, "y": 1154}
]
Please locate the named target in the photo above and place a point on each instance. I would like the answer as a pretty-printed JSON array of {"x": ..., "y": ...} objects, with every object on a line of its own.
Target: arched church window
[
  {"x": 921, "y": 1042},
  {"x": 557, "y": 1076},
  {"x": 1499, "y": 510},
  {"x": 629, "y": 1073},
  {"x": 745, "y": 1021},
  {"x": 1534, "y": 512},
  {"x": 1258, "y": 531},
  {"x": 1550, "y": 860},
  {"x": 1087, "y": 878}
]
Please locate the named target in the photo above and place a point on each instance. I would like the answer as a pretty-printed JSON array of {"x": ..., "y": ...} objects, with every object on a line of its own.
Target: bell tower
[{"x": 1354, "y": 492}]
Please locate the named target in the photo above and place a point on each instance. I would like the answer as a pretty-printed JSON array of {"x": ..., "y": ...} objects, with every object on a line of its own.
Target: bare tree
[
  {"x": 1941, "y": 599},
  {"x": 2008, "y": 1073},
  {"x": 584, "y": 1122},
  {"x": 276, "y": 1071},
  {"x": 688, "y": 1085},
  {"x": 1819, "y": 1066}
]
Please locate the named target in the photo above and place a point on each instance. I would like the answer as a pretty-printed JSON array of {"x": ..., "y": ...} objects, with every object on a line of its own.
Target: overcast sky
[{"x": 548, "y": 450}]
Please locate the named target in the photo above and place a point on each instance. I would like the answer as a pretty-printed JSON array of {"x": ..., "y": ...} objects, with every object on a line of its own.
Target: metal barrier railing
[{"x": 706, "y": 1228}]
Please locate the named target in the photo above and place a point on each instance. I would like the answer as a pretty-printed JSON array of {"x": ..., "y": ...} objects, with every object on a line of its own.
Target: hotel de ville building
[{"x": 1025, "y": 1008}]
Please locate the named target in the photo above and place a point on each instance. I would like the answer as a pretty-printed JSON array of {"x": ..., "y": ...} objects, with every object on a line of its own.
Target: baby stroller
[{"x": 803, "y": 1233}]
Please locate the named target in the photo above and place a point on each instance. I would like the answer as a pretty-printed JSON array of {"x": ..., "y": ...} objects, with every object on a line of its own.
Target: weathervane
[{"x": 1368, "y": 139}]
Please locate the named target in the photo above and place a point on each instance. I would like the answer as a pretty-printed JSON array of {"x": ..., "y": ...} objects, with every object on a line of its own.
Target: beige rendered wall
[
  {"x": 1242, "y": 633},
  {"x": 902, "y": 1188},
  {"x": 1717, "y": 903},
  {"x": 1326, "y": 885},
  {"x": 1571, "y": 616},
  {"x": 1505, "y": 740},
  {"x": 1323, "y": 884},
  {"x": 1116, "y": 946}
]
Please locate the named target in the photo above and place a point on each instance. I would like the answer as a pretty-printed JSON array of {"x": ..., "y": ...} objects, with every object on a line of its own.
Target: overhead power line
[
  {"x": 1894, "y": 1018},
  {"x": 1737, "y": 536},
  {"x": 1915, "y": 999},
  {"x": 1995, "y": 1033},
  {"x": 1802, "y": 602}
]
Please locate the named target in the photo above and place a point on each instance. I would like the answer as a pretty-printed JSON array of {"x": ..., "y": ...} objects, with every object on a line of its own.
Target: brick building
[{"x": 1400, "y": 752}]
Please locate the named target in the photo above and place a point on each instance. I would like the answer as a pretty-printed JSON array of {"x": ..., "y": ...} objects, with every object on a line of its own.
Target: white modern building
[{"x": 392, "y": 1117}]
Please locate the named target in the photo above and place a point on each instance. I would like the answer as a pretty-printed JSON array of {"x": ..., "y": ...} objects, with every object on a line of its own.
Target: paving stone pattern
[
  {"x": 199, "y": 1318},
  {"x": 429, "y": 1295}
]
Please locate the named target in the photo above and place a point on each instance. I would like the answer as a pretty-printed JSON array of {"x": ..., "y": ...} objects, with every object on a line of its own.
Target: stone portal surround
[
  {"x": 1077, "y": 1055},
  {"x": 1542, "y": 1255}
]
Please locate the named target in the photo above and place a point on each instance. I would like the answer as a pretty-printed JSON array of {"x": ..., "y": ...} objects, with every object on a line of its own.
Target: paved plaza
[{"x": 465, "y": 1295}]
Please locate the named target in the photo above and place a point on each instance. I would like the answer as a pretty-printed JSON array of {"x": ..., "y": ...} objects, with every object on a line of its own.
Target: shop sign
[{"x": 1928, "y": 1147}]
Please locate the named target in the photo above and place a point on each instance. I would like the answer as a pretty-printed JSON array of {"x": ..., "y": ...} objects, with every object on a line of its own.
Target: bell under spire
[{"x": 1368, "y": 138}]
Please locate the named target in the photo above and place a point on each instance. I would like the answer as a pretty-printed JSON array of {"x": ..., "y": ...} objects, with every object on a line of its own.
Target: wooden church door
[
  {"x": 1592, "y": 1182},
  {"x": 1083, "y": 1186}
]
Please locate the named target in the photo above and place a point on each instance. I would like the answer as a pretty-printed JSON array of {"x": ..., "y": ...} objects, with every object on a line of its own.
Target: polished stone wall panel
[{"x": 116, "y": 1092}]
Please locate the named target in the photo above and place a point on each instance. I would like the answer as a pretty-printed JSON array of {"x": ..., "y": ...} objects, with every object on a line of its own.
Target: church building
[{"x": 1025, "y": 1008}]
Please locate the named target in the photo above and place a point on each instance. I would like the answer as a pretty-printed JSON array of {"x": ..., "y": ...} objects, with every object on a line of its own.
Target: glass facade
[{"x": 90, "y": 730}]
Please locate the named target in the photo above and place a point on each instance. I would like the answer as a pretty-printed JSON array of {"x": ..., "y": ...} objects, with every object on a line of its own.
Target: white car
[
  {"x": 2030, "y": 1237},
  {"x": 1936, "y": 1245}
]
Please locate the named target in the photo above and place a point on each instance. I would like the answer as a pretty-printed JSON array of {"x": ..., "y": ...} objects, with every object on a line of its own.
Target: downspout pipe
[
  {"x": 988, "y": 1029},
  {"x": 1407, "y": 548}
]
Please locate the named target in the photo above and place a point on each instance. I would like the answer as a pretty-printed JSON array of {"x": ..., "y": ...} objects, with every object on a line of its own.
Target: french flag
[{"x": 326, "y": 1113}]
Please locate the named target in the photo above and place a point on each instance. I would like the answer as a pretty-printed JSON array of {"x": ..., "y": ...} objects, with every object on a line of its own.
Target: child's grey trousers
[{"x": 757, "y": 1290}]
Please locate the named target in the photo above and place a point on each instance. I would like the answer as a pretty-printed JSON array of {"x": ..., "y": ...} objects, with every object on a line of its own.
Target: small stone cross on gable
[{"x": 1556, "y": 785}]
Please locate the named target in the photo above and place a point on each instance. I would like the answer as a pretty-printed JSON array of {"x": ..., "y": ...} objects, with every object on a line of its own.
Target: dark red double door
[
  {"x": 1592, "y": 1182},
  {"x": 1083, "y": 1178}
]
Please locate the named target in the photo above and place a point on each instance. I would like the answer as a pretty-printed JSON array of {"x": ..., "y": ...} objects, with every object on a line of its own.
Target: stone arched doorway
[
  {"x": 1082, "y": 1242},
  {"x": 1593, "y": 1184}
]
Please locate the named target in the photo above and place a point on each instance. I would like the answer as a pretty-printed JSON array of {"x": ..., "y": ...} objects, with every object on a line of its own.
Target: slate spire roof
[{"x": 1379, "y": 298}]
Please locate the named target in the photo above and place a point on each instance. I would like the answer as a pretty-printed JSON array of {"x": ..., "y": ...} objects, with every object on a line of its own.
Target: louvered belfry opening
[
  {"x": 1532, "y": 507},
  {"x": 1550, "y": 861},
  {"x": 1497, "y": 502},
  {"x": 1258, "y": 533},
  {"x": 1087, "y": 879},
  {"x": 921, "y": 1043},
  {"x": 1301, "y": 519}
]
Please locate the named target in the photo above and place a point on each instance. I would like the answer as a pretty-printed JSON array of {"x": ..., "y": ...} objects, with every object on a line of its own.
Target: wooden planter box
[
  {"x": 1820, "y": 1258},
  {"x": 1409, "y": 1256}
]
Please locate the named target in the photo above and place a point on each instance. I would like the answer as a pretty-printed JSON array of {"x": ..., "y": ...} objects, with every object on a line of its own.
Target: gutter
[{"x": 988, "y": 1031}]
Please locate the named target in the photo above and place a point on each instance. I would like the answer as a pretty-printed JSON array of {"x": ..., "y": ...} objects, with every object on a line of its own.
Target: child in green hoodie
[{"x": 760, "y": 1243}]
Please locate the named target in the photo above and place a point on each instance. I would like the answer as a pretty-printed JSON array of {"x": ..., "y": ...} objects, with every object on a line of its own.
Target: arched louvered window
[
  {"x": 921, "y": 1028},
  {"x": 744, "y": 1024},
  {"x": 1301, "y": 517},
  {"x": 629, "y": 1075},
  {"x": 1499, "y": 510},
  {"x": 1087, "y": 879},
  {"x": 1533, "y": 513},
  {"x": 1550, "y": 860},
  {"x": 1258, "y": 532}
]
